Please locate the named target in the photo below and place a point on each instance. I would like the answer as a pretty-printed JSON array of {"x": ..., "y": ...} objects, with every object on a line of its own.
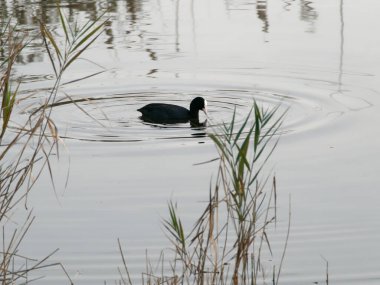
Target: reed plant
[
  {"x": 227, "y": 241},
  {"x": 26, "y": 147}
]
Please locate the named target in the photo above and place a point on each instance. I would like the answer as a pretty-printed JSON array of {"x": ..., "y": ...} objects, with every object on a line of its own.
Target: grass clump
[
  {"x": 228, "y": 240},
  {"x": 26, "y": 147}
]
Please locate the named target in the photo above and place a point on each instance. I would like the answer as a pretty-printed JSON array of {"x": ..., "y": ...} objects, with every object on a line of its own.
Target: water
[{"x": 319, "y": 59}]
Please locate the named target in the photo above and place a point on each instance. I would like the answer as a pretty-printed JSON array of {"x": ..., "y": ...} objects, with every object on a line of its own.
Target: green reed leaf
[
  {"x": 87, "y": 36},
  {"x": 8, "y": 102},
  {"x": 174, "y": 225},
  {"x": 63, "y": 23},
  {"x": 46, "y": 33},
  {"x": 73, "y": 58}
]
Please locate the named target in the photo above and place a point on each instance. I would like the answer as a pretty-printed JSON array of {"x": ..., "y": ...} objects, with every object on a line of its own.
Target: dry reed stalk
[{"x": 26, "y": 149}]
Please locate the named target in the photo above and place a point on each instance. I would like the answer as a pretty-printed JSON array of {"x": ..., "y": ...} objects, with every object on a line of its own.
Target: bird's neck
[{"x": 194, "y": 114}]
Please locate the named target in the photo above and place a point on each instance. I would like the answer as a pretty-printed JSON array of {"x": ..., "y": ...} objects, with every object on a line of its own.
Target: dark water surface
[{"x": 319, "y": 59}]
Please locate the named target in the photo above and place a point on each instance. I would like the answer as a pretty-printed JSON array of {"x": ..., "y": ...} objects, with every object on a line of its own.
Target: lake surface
[{"x": 319, "y": 59}]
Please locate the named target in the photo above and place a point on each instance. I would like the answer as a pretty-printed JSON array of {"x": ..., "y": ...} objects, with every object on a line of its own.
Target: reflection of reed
[
  {"x": 308, "y": 13},
  {"x": 133, "y": 9},
  {"x": 261, "y": 9},
  {"x": 287, "y": 5},
  {"x": 193, "y": 25},
  {"x": 152, "y": 54},
  {"x": 341, "y": 96},
  {"x": 177, "y": 26},
  {"x": 341, "y": 50},
  {"x": 28, "y": 18},
  {"x": 27, "y": 15},
  {"x": 109, "y": 33},
  {"x": 134, "y": 13}
]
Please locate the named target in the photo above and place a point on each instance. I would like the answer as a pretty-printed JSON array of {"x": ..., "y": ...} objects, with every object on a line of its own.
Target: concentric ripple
[{"x": 114, "y": 117}]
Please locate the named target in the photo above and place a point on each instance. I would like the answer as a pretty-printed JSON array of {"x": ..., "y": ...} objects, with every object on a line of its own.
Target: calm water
[{"x": 320, "y": 59}]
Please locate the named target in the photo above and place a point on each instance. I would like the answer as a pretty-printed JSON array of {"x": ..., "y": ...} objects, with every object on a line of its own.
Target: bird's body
[
  {"x": 172, "y": 114},
  {"x": 165, "y": 113}
]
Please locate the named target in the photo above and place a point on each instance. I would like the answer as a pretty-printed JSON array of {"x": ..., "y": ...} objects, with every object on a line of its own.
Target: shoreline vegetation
[
  {"x": 226, "y": 243},
  {"x": 26, "y": 148}
]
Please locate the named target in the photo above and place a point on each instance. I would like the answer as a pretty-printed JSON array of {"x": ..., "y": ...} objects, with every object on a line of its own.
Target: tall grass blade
[
  {"x": 90, "y": 24},
  {"x": 124, "y": 262},
  {"x": 44, "y": 37},
  {"x": 63, "y": 23},
  {"x": 242, "y": 128},
  {"x": 257, "y": 127},
  {"x": 74, "y": 57},
  {"x": 88, "y": 35},
  {"x": 174, "y": 226},
  {"x": 46, "y": 34}
]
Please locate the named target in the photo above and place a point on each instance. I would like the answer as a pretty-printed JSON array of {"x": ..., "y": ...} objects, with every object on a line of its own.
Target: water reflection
[
  {"x": 177, "y": 26},
  {"x": 152, "y": 54},
  {"x": 152, "y": 73},
  {"x": 341, "y": 96},
  {"x": 193, "y": 124},
  {"x": 130, "y": 20},
  {"x": 341, "y": 49},
  {"x": 308, "y": 14},
  {"x": 261, "y": 8},
  {"x": 28, "y": 12},
  {"x": 134, "y": 9},
  {"x": 288, "y": 4},
  {"x": 109, "y": 32}
]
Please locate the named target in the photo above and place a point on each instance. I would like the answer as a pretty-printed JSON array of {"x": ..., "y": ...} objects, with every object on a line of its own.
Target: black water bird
[{"x": 172, "y": 114}]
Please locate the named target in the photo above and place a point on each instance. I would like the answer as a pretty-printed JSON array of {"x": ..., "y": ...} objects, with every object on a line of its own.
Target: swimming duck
[{"x": 172, "y": 114}]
